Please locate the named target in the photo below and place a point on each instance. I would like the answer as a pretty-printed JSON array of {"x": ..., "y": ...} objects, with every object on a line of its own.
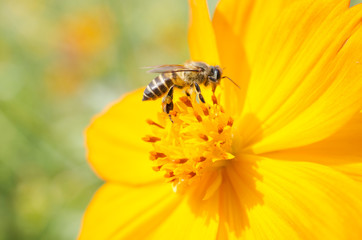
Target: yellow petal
[
  {"x": 232, "y": 57},
  {"x": 238, "y": 195},
  {"x": 306, "y": 82},
  {"x": 301, "y": 200},
  {"x": 185, "y": 223},
  {"x": 249, "y": 21},
  {"x": 252, "y": 19},
  {"x": 341, "y": 151},
  {"x": 117, "y": 210},
  {"x": 149, "y": 212},
  {"x": 114, "y": 140},
  {"x": 202, "y": 41}
]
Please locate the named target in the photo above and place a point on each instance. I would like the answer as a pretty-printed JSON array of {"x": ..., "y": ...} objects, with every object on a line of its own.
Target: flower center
[{"x": 196, "y": 142}]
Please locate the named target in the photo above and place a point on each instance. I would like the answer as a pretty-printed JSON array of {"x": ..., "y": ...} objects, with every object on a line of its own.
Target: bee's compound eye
[
  {"x": 218, "y": 75},
  {"x": 213, "y": 74}
]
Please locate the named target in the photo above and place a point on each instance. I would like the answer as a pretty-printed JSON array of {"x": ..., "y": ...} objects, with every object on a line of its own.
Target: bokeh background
[{"x": 61, "y": 62}]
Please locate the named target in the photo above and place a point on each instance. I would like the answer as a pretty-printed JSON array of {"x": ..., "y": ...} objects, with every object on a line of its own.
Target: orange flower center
[{"x": 195, "y": 143}]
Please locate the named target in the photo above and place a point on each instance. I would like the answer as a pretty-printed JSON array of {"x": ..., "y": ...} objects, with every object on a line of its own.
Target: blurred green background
[{"x": 61, "y": 62}]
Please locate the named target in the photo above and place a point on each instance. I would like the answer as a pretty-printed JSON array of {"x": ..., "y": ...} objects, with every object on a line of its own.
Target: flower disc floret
[{"x": 195, "y": 142}]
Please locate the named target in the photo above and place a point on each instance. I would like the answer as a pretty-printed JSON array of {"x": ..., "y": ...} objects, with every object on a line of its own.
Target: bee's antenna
[{"x": 231, "y": 81}]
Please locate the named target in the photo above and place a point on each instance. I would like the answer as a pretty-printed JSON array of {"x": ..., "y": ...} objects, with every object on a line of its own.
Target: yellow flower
[{"x": 280, "y": 158}]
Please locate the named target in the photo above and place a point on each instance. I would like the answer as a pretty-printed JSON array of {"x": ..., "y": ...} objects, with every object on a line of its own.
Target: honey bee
[{"x": 191, "y": 74}]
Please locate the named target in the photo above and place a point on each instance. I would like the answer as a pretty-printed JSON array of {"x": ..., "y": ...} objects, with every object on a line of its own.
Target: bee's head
[{"x": 215, "y": 74}]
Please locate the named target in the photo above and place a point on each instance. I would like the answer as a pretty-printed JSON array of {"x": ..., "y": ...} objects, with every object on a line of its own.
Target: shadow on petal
[{"x": 234, "y": 193}]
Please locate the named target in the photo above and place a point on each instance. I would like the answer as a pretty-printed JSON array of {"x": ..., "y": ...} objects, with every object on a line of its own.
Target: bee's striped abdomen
[{"x": 158, "y": 87}]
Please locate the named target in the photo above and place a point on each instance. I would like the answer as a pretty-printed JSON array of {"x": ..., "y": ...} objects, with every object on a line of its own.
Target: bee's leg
[
  {"x": 213, "y": 87},
  {"x": 167, "y": 102},
  {"x": 188, "y": 92},
  {"x": 198, "y": 90}
]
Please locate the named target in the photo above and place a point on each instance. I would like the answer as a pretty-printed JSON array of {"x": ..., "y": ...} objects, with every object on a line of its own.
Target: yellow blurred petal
[
  {"x": 341, "y": 151},
  {"x": 302, "y": 200},
  {"x": 202, "y": 41},
  {"x": 114, "y": 140},
  {"x": 149, "y": 212},
  {"x": 353, "y": 170},
  {"x": 306, "y": 82}
]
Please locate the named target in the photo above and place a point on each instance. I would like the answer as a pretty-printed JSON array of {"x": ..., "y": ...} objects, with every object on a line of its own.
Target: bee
[{"x": 190, "y": 75}]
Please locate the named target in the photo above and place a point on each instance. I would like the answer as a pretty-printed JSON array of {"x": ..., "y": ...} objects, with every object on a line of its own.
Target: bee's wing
[{"x": 171, "y": 68}]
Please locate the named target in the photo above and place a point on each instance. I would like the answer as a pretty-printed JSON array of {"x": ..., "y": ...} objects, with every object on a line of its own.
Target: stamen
[
  {"x": 173, "y": 113},
  {"x": 149, "y": 138},
  {"x": 205, "y": 110},
  {"x": 198, "y": 117},
  {"x": 220, "y": 129},
  {"x": 156, "y": 168},
  {"x": 150, "y": 122},
  {"x": 222, "y": 109},
  {"x": 192, "y": 174},
  {"x": 186, "y": 101},
  {"x": 169, "y": 174},
  {"x": 181, "y": 160},
  {"x": 203, "y": 136},
  {"x": 230, "y": 122},
  {"x": 155, "y": 155},
  {"x": 174, "y": 182},
  {"x": 214, "y": 99},
  {"x": 201, "y": 159}
]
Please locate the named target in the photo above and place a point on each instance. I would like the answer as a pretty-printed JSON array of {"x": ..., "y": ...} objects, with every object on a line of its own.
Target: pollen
[{"x": 196, "y": 141}]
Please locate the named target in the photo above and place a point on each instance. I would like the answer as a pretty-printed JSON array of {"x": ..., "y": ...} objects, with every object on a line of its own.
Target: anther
[
  {"x": 198, "y": 117},
  {"x": 214, "y": 99},
  {"x": 186, "y": 101},
  {"x": 220, "y": 129},
  {"x": 203, "y": 137},
  {"x": 149, "y": 138},
  {"x": 181, "y": 160},
  {"x": 174, "y": 180},
  {"x": 155, "y": 155},
  {"x": 169, "y": 174},
  {"x": 150, "y": 122},
  {"x": 201, "y": 159},
  {"x": 173, "y": 113},
  {"x": 205, "y": 110},
  {"x": 230, "y": 122},
  {"x": 156, "y": 168},
  {"x": 222, "y": 109},
  {"x": 220, "y": 143},
  {"x": 192, "y": 174}
]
